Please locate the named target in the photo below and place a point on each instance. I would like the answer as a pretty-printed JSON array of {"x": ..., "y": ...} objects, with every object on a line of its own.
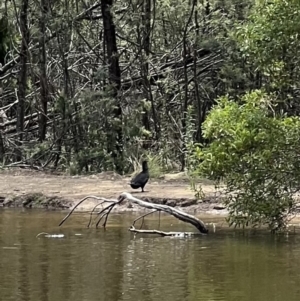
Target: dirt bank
[{"x": 33, "y": 189}]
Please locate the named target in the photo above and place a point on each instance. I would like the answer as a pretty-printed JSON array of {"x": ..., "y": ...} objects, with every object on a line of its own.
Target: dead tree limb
[
  {"x": 108, "y": 209},
  {"x": 81, "y": 201},
  {"x": 162, "y": 233},
  {"x": 92, "y": 212},
  {"x": 143, "y": 217},
  {"x": 185, "y": 217}
]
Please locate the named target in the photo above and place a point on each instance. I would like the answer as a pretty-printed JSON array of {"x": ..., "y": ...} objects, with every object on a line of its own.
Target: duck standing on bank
[{"x": 141, "y": 179}]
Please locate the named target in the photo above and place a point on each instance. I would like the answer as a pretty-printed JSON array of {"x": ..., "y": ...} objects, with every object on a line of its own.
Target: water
[{"x": 116, "y": 265}]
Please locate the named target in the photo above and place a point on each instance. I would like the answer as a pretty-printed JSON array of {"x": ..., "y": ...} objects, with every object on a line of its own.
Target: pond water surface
[{"x": 93, "y": 264}]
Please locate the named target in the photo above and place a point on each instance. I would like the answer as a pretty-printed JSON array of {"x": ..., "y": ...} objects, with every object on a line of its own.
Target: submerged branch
[
  {"x": 143, "y": 217},
  {"x": 162, "y": 233}
]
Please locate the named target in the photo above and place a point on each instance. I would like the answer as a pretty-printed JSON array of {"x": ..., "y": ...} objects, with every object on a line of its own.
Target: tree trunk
[
  {"x": 43, "y": 72},
  {"x": 145, "y": 65},
  {"x": 2, "y": 149},
  {"x": 186, "y": 53},
  {"x": 116, "y": 138},
  {"x": 22, "y": 80}
]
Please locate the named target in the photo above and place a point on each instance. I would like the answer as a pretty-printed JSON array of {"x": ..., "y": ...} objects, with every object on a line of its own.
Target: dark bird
[{"x": 141, "y": 179}]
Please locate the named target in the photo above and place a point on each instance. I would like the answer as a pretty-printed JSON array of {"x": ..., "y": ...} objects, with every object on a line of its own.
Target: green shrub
[{"x": 256, "y": 154}]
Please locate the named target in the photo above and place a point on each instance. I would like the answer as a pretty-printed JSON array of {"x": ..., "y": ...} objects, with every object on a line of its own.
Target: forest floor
[{"x": 35, "y": 189}]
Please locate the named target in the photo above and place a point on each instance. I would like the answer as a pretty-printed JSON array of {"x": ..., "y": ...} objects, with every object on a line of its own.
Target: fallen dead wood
[
  {"x": 162, "y": 233},
  {"x": 185, "y": 217},
  {"x": 110, "y": 204}
]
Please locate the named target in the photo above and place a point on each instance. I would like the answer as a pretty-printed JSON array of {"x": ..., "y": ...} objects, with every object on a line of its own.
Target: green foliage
[
  {"x": 270, "y": 39},
  {"x": 256, "y": 154},
  {"x": 197, "y": 188}
]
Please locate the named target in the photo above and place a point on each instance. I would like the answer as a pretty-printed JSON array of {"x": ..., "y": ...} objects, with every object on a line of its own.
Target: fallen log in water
[
  {"x": 163, "y": 233},
  {"x": 185, "y": 217},
  {"x": 104, "y": 213}
]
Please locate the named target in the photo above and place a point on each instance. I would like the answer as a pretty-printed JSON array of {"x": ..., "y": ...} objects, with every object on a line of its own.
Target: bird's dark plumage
[{"x": 141, "y": 179}]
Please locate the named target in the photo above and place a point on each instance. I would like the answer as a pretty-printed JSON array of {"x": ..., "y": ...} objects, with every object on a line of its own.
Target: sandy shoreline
[{"x": 33, "y": 189}]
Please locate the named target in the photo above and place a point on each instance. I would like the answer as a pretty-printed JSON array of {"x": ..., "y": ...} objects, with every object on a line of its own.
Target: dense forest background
[
  {"x": 92, "y": 86},
  {"x": 98, "y": 85}
]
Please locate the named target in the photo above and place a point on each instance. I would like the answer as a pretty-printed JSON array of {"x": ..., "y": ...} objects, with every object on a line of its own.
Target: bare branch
[
  {"x": 142, "y": 217},
  {"x": 185, "y": 217},
  {"x": 162, "y": 233},
  {"x": 84, "y": 199}
]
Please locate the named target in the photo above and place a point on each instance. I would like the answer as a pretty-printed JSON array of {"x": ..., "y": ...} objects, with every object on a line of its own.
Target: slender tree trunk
[
  {"x": 144, "y": 32},
  {"x": 165, "y": 31},
  {"x": 207, "y": 18},
  {"x": 43, "y": 72},
  {"x": 64, "y": 110},
  {"x": 147, "y": 49},
  {"x": 200, "y": 110},
  {"x": 2, "y": 149},
  {"x": 186, "y": 52},
  {"x": 3, "y": 119},
  {"x": 114, "y": 81},
  {"x": 22, "y": 80},
  {"x": 144, "y": 39}
]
